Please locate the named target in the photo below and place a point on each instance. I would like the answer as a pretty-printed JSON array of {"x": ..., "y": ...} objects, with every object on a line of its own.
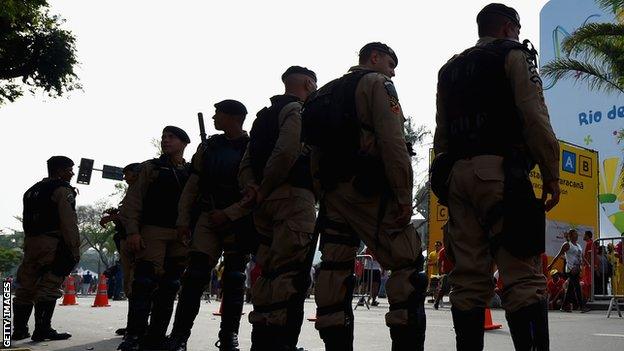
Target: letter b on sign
[{"x": 585, "y": 166}]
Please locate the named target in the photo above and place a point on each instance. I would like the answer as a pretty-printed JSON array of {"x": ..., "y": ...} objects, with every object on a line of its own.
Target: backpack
[{"x": 330, "y": 123}]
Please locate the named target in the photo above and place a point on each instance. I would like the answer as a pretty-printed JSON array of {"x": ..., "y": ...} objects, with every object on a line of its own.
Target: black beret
[
  {"x": 298, "y": 70},
  {"x": 499, "y": 9},
  {"x": 133, "y": 167},
  {"x": 231, "y": 107},
  {"x": 381, "y": 47},
  {"x": 181, "y": 134},
  {"x": 59, "y": 162}
]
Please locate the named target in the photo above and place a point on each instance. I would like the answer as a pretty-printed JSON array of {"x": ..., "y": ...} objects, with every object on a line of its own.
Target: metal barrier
[
  {"x": 607, "y": 271},
  {"x": 363, "y": 281}
]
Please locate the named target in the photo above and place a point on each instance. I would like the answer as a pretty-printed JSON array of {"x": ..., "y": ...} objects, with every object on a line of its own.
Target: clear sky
[{"x": 147, "y": 64}]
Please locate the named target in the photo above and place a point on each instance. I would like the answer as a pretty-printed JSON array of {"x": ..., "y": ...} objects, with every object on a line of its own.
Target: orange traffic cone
[
  {"x": 220, "y": 311},
  {"x": 69, "y": 297},
  {"x": 489, "y": 325},
  {"x": 101, "y": 297}
]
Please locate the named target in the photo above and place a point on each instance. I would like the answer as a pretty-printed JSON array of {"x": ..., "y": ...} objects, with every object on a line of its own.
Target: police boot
[
  {"x": 43, "y": 320},
  {"x": 21, "y": 315},
  {"x": 468, "y": 328},
  {"x": 529, "y": 327},
  {"x": 129, "y": 343},
  {"x": 176, "y": 342},
  {"x": 228, "y": 341},
  {"x": 163, "y": 299},
  {"x": 338, "y": 338},
  {"x": 262, "y": 337}
]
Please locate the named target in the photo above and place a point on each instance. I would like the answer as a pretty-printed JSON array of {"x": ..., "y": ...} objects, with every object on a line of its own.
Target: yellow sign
[{"x": 577, "y": 208}]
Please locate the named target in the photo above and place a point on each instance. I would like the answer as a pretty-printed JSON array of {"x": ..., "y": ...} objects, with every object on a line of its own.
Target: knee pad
[
  {"x": 145, "y": 279},
  {"x": 198, "y": 271},
  {"x": 235, "y": 263},
  {"x": 234, "y": 279},
  {"x": 419, "y": 281},
  {"x": 174, "y": 267}
]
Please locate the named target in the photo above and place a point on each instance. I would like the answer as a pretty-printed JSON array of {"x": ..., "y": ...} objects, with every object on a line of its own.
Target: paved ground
[{"x": 93, "y": 329}]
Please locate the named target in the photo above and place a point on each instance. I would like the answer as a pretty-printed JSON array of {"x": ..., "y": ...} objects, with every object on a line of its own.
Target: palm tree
[{"x": 594, "y": 53}]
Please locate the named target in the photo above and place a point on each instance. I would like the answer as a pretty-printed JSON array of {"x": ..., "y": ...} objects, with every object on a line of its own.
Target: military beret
[
  {"x": 298, "y": 70},
  {"x": 59, "y": 162},
  {"x": 181, "y": 134},
  {"x": 231, "y": 107},
  {"x": 133, "y": 167},
  {"x": 499, "y": 9},
  {"x": 381, "y": 47}
]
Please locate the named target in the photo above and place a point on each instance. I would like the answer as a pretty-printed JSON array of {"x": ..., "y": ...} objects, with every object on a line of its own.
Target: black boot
[
  {"x": 43, "y": 320},
  {"x": 529, "y": 327},
  {"x": 228, "y": 341},
  {"x": 338, "y": 338},
  {"x": 21, "y": 315},
  {"x": 176, "y": 342},
  {"x": 262, "y": 337},
  {"x": 130, "y": 343},
  {"x": 469, "y": 328}
]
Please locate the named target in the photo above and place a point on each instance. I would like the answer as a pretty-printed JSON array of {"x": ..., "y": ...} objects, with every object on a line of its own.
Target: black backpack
[{"x": 330, "y": 123}]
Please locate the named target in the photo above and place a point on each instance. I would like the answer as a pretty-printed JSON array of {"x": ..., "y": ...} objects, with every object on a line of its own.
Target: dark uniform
[
  {"x": 284, "y": 221},
  {"x": 352, "y": 210},
  {"x": 214, "y": 183},
  {"x": 51, "y": 250},
  {"x": 150, "y": 208},
  {"x": 493, "y": 121}
]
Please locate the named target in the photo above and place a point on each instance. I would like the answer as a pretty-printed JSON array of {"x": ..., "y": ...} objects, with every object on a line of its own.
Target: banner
[
  {"x": 577, "y": 208},
  {"x": 583, "y": 116}
]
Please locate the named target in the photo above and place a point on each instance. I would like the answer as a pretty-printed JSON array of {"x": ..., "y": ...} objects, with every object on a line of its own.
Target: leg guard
[
  {"x": 163, "y": 298},
  {"x": 140, "y": 304},
  {"x": 411, "y": 336},
  {"x": 468, "y": 328},
  {"x": 233, "y": 294},
  {"x": 43, "y": 320},
  {"x": 340, "y": 337},
  {"x": 529, "y": 327},
  {"x": 21, "y": 315},
  {"x": 194, "y": 281}
]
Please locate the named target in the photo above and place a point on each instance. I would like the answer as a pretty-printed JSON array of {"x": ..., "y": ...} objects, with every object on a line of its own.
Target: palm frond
[
  {"x": 591, "y": 32},
  {"x": 610, "y": 5},
  {"x": 597, "y": 77}
]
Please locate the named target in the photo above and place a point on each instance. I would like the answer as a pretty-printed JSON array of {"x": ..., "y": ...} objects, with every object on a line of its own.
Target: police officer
[
  {"x": 130, "y": 173},
  {"x": 491, "y": 113},
  {"x": 277, "y": 181},
  {"x": 149, "y": 214},
  {"x": 51, "y": 250},
  {"x": 351, "y": 210},
  {"x": 223, "y": 227}
]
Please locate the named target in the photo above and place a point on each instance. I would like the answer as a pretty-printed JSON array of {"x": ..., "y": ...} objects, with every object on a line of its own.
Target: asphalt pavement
[{"x": 93, "y": 329}]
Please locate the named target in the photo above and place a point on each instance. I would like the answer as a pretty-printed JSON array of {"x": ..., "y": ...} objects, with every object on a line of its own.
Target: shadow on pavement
[{"x": 101, "y": 345}]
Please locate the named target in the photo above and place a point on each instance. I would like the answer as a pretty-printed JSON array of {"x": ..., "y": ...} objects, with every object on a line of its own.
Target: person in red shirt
[
  {"x": 555, "y": 290},
  {"x": 445, "y": 266}
]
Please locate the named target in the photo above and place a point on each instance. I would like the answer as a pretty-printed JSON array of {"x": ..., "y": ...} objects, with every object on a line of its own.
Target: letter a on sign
[{"x": 569, "y": 161}]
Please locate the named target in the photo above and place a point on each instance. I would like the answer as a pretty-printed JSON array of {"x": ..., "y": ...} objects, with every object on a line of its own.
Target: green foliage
[
  {"x": 594, "y": 54},
  {"x": 9, "y": 259},
  {"x": 35, "y": 51}
]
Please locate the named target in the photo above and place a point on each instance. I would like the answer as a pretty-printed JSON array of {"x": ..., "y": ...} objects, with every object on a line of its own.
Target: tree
[
  {"x": 35, "y": 52},
  {"x": 93, "y": 235},
  {"x": 415, "y": 136},
  {"x": 594, "y": 53}
]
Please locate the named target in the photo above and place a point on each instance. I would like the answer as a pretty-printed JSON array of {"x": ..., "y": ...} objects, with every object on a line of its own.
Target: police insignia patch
[{"x": 395, "y": 107}]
